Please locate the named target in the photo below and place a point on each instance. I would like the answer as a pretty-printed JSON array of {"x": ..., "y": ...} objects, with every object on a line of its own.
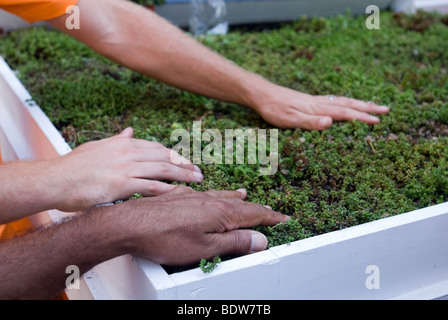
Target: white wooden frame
[
  {"x": 26, "y": 133},
  {"x": 408, "y": 252}
]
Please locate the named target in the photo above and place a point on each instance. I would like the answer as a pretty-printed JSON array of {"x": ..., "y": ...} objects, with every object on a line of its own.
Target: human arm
[
  {"x": 141, "y": 40},
  {"x": 94, "y": 173},
  {"x": 177, "y": 228}
]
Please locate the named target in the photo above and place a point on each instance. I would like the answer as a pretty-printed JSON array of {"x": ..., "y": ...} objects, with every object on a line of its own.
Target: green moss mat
[{"x": 350, "y": 174}]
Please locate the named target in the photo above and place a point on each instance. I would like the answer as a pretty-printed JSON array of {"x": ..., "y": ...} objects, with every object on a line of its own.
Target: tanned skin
[
  {"x": 145, "y": 42},
  {"x": 176, "y": 228}
]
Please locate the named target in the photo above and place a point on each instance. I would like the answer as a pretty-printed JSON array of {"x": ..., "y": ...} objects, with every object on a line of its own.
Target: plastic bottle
[{"x": 208, "y": 16}]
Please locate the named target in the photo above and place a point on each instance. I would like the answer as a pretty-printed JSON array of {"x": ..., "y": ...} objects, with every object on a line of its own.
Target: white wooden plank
[
  {"x": 249, "y": 277},
  {"x": 118, "y": 279},
  {"x": 436, "y": 291},
  {"x": 408, "y": 256},
  {"x": 29, "y": 131},
  {"x": 162, "y": 285}
]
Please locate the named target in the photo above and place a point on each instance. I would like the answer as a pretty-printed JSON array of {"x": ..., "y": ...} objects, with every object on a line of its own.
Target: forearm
[
  {"x": 34, "y": 266},
  {"x": 141, "y": 40},
  {"x": 27, "y": 188},
  {"x": 176, "y": 228},
  {"x": 152, "y": 46}
]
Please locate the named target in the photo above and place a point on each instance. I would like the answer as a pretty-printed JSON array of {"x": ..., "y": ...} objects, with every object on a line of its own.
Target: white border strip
[{"x": 13, "y": 90}]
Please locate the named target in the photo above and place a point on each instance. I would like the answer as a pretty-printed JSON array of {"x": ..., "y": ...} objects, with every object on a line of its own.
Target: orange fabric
[
  {"x": 37, "y": 10},
  {"x": 16, "y": 229},
  {"x": 2, "y": 227}
]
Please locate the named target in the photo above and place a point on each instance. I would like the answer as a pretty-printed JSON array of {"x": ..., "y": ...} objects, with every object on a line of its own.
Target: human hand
[
  {"x": 184, "y": 226},
  {"x": 115, "y": 168},
  {"x": 287, "y": 108}
]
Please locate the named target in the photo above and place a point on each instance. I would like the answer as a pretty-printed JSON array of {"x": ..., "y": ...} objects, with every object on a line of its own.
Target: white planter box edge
[{"x": 408, "y": 249}]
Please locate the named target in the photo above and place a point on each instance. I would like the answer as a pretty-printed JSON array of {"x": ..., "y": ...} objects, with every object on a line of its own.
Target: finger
[
  {"x": 150, "y": 188},
  {"x": 181, "y": 189},
  {"x": 311, "y": 122},
  {"x": 359, "y": 105},
  {"x": 177, "y": 159},
  {"x": 163, "y": 155},
  {"x": 178, "y": 192},
  {"x": 232, "y": 197},
  {"x": 342, "y": 108},
  {"x": 332, "y": 106},
  {"x": 238, "y": 242},
  {"x": 126, "y": 133},
  {"x": 339, "y": 112},
  {"x": 348, "y": 114},
  {"x": 146, "y": 144},
  {"x": 154, "y": 151},
  {"x": 164, "y": 171},
  {"x": 243, "y": 214},
  {"x": 239, "y": 193}
]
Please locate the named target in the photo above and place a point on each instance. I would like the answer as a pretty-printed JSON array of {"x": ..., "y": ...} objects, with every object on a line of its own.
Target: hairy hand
[
  {"x": 115, "y": 168},
  {"x": 184, "y": 226}
]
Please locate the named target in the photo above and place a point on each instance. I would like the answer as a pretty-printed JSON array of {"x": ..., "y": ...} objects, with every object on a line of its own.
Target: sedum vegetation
[{"x": 349, "y": 174}]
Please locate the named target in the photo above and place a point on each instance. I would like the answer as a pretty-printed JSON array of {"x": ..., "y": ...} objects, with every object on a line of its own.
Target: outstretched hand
[
  {"x": 290, "y": 109},
  {"x": 184, "y": 226},
  {"x": 115, "y": 168},
  {"x": 180, "y": 227}
]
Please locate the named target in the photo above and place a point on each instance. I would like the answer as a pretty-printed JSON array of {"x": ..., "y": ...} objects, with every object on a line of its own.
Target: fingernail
[
  {"x": 199, "y": 177},
  {"x": 243, "y": 193},
  {"x": 259, "y": 242},
  {"x": 324, "y": 123},
  {"x": 269, "y": 207},
  {"x": 383, "y": 108},
  {"x": 374, "y": 119},
  {"x": 126, "y": 131}
]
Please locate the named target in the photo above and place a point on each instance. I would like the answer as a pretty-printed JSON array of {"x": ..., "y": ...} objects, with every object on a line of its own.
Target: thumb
[
  {"x": 126, "y": 133},
  {"x": 241, "y": 242},
  {"x": 311, "y": 122},
  {"x": 324, "y": 123},
  {"x": 240, "y": 193}
]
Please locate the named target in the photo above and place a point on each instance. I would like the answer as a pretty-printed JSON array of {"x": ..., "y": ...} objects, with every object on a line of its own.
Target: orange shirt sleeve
[{"x": 36, "y": 10}]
